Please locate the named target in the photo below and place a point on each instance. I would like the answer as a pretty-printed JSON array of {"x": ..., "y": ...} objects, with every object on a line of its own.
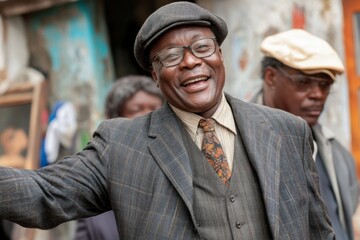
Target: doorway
[{"x": 124, "y": 19}]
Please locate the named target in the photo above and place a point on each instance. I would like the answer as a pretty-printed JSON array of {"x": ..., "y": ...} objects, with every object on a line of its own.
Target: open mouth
[{"x": 194, "y": 80}]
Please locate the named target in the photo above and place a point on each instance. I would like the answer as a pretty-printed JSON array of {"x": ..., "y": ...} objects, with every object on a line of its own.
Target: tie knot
[{"x": 207, "y": 124}]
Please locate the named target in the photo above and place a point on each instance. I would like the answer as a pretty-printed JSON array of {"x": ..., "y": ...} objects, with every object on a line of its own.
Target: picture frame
[{"x": 20, "y": 128}]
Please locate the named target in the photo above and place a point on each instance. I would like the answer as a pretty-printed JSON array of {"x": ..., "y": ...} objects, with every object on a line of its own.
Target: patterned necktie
[{"x": 213, "y": 151}]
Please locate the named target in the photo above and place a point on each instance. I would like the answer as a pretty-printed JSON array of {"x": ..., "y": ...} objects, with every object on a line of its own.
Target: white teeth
[{"x": 195, "y": 80}]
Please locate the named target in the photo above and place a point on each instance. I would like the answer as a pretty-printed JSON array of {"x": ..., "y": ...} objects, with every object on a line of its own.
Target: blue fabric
[
  {"x": 43, "y": 157},
  {"x": 55, "y": 108}
]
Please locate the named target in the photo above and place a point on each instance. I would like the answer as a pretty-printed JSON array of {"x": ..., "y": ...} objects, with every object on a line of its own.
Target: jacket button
[
  {"x": 239, "y": 225},
  {"x": 232, "y": 198}
]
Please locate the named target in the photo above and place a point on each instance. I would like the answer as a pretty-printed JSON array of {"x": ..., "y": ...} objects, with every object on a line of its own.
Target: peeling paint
[
  {"x": 326, "y": 7},
  {"x": 250, "y": 21},
  {"x": 81, "y": 61}
]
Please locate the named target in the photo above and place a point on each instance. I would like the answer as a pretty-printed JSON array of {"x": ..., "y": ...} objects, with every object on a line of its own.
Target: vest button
[
  {"x": 232, "y": 198},
  {"x": 239, "y": 225}
]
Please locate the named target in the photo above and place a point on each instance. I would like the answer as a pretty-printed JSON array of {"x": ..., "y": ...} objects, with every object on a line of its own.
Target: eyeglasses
[
  {"x": 306, "y": 83},
  {"x": 173, "y": 56}
]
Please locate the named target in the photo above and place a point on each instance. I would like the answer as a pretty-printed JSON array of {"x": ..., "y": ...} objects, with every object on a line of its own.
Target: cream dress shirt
[{"x": 225, "y": 127}]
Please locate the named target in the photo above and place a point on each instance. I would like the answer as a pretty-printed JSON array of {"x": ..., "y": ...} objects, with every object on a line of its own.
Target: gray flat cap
[{"x": 170, "y": 16}]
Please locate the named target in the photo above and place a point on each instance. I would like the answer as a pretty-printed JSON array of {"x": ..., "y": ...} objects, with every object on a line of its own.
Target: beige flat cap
[{"x": 299, "y": 49}]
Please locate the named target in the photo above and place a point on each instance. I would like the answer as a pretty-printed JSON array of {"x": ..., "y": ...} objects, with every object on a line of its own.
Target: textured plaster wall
[
  {"x": 249, "y": 21},
  {"x": 70, "y": 42}
]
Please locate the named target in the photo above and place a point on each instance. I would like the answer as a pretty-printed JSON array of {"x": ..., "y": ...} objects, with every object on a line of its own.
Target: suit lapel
[
  {"x": 263, "y": 146},
  {"x": 261, "y": 143},
  {"x": 344, "y": 188},
  {"x": 169, "y": 151},
  {"x": 343, "y": 191}
]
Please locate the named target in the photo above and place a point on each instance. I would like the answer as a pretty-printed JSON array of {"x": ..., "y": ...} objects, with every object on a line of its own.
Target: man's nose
[
  {"x": 316, "y": 91},
  {"x": 189, "y": 59}
]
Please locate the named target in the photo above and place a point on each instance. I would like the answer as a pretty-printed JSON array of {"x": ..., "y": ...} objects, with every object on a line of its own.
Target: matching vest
[{"x": 236, "y": 212}]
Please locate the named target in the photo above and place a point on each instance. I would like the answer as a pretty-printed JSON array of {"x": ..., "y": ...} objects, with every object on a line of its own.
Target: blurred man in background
[{"x": 298, "y": 70}]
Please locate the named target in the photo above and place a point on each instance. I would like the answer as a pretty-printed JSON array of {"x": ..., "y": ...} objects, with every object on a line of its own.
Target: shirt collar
[{"x": 223, "y": 116}]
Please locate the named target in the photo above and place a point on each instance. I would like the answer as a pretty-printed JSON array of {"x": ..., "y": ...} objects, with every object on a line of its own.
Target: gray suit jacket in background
[
  {"x": 340, "y": 167},
  {"x": 341, "y": 170},
  {"x": 140, "y": 169}
]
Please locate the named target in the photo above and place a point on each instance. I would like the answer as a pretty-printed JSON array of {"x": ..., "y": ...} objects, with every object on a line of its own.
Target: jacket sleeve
[{"x": 72, "y": 188}]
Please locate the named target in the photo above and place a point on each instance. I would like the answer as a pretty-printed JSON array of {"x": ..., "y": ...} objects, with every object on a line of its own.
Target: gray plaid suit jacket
[{"x": 140, "y": 169}]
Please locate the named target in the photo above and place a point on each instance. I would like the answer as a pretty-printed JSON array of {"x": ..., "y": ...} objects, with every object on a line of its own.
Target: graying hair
[
  {"x": 269, "y": 62},
  {"x": 126, "y": 87}
]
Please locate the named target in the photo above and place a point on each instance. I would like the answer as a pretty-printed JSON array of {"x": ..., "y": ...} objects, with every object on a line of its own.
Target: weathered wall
[
  {"x": 250, "y": 21},
  {"x": 70, "y": 43}
]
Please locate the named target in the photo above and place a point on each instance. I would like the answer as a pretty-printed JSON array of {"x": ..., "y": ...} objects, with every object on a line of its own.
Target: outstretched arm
[{"x": 73, "y": 188}]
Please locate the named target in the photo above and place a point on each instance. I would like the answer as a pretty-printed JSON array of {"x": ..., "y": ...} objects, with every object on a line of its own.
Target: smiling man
[
  {"x": 203, "y": 166},
  {"x": 298, "y": 70}
]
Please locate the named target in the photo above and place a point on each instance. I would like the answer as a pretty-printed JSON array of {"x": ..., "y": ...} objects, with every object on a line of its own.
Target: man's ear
[
  {"x": 270, "y": 76},
  {"x": 154, "y": 76},
  {"x": 221, "y": 55}
]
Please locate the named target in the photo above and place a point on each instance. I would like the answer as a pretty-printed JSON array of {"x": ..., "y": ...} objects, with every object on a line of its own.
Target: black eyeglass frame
[{"x": 157, "y": 57}]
